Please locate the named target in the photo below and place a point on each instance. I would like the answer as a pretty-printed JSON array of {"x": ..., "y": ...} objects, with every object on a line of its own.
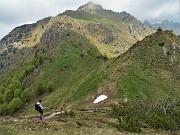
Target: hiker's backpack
[{"x": 36, "y": 106}]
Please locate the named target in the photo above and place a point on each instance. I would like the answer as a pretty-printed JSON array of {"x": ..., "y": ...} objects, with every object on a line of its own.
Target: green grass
[
  {"x": 135, "y": 84},
  {"x": 89, "y": 85},
  {"x": 139, "y": 83},
  {"x": 75, "y": 77},
  {"x": 5, "y": 130},
  {"x": 84, "y": 123},
  {"x": 150, "y": 73}
]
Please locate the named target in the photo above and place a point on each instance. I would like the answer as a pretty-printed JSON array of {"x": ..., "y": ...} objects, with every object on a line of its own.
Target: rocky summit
[{"x": 90, "y": 7}]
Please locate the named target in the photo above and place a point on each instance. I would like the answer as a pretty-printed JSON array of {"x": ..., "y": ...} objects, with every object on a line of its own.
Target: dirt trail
[{"x": 53, "y": 115}]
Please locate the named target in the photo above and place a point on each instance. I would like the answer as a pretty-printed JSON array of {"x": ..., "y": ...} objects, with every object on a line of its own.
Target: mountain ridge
[{"x": 111, "y": 38}]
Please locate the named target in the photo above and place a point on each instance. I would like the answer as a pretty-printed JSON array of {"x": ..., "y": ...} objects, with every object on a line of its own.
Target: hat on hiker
[{"x": 40, "y": 100}]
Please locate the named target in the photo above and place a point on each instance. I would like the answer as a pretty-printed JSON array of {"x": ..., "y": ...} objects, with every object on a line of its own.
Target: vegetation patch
[{"x": 158, "y": 114}]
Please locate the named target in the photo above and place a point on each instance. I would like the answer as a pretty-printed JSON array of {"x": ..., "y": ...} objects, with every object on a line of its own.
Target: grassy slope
[
  {"x": 75, "y": 77},
  {"x": 76, "y": 68},
  {"x": 142, "y": 72},
  {"x": 149, "y": 72},
  {"x": 79, "y": 72}
]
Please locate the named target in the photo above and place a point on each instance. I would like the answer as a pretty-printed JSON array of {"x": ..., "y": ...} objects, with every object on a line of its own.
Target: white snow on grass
[{"x": 100, "y": 98}]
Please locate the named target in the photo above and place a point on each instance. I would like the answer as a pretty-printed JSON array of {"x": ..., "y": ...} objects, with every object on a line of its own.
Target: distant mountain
[
  {"x": 112, "y": 33},
  {"x": 109, "y": 32},
  {"x": 165, "y": 25}
]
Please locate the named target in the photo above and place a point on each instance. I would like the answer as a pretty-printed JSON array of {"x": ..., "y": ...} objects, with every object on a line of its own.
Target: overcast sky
[{"x": 17, "y": 12}]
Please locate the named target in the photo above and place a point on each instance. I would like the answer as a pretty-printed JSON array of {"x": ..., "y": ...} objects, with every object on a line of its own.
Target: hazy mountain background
[{"x": 165, "y": 25}]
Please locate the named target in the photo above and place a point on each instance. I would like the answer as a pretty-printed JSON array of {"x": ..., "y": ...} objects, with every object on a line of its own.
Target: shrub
[
  {"x": 159, "y": 114},
  {"x": 72, "y": 113},
  {"x": 40, "y": 56},
  {"x": 159, "y": 29},
  {"x": 11, "y": 87},
  {"x": 1, "y": 109},
  {"x": 21, "y": 75},
  {"x": 133, "y": 108},
  {"x": 17, "y": 84},
  {"x": 4, "y": 109},
  {"x": 175, "y": 115},
  {"x": 26, "y": 95},
  {"x": 3, "y": 85},
  {"x": 127, "y": 114},
  {"x": 40, "y": 88},
  {"x": 17, "y": 93},
  {"x": 8, "y": 81},
  {"x": 30, "y": 69},
  {"x": 8, "y": 95},
  {"x": 1, "y": 98},
  {"x": 32, "y": 61},
  {"x": 2, "y": 89},
  {"x": 162, "y": 121},
  {"x": 129, "y": 123},
  {"x": 50, "y": 86},
  {"x": 68, "y": 113},
  {"x": 161, "y": 44},
  {"x": 14, "y": 105}
]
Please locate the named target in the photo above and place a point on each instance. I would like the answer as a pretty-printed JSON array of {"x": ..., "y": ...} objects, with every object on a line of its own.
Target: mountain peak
[
  {"x": 90, "y": 6},
  {"x": 147, "y": 23}
]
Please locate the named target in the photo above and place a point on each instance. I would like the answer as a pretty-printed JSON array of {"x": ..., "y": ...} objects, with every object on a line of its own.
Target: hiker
[{"x": 39, "y": 108}]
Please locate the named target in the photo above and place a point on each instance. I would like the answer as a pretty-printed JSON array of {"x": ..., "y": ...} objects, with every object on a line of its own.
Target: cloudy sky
[{"x": 17, "y": 12}]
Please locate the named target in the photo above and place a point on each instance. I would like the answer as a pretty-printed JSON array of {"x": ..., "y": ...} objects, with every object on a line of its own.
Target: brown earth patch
[{"x": 108, "y": 89}]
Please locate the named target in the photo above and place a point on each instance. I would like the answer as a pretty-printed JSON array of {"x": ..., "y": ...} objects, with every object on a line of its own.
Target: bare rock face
[
  {"x": 90, "y": 7},
  {"x": 20, "y": 33}
]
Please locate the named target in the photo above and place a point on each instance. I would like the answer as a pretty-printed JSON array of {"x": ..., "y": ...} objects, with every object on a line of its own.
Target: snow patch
[{"x": 100, "y": 98}]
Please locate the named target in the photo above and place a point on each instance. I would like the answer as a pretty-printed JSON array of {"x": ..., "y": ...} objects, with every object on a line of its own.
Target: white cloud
[
  {"x": 18, "y": 12},
  {"x": 5, "y": 29}
]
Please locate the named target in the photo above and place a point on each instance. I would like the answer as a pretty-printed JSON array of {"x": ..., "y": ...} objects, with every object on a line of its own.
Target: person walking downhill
[{"x": 39, "y": 108}]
